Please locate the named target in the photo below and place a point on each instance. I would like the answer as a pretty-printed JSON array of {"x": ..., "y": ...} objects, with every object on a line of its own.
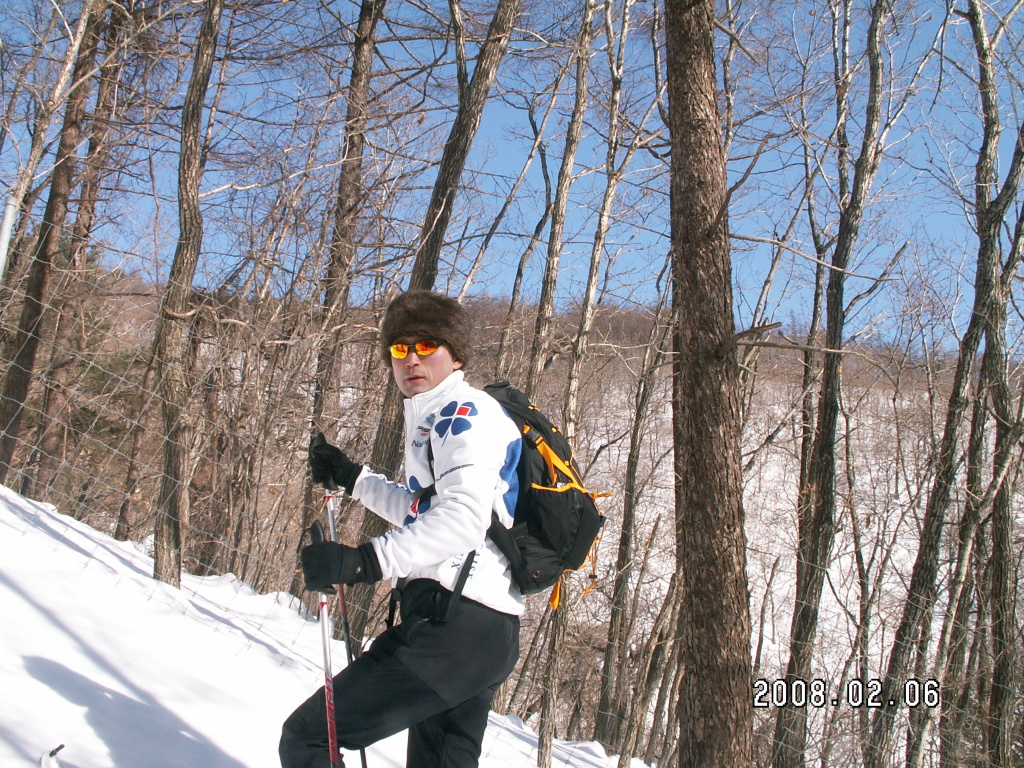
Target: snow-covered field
[{"x": 128, "y": 672}]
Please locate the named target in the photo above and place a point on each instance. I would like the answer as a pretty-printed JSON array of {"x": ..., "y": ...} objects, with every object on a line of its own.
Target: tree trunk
[
  {"x": 337, "y": 281},
  {"x": 21, "y": 371},
  {"x": 143, "y": 397},
  {"x": 970, "y": 522},
  {"x": 653, "y": 663},
  {"x": 522, "y": 692},
  {"x": 387, "y": 449},
  {"x": 552, "y": 681},
  {"x": 715, "y": 716},
  {"x": 503, "y": 365},
  {"x": 66, "y": 79},
  {"x": 1002, "y": 566},
  {"x": 951, "y": 652},
  {"x": 955, "y": 685},
  {"x": 879, "y": 745},
  {"x": 348, "y": 203},
  {"x": 614, "y": 169},
  {"x": 50, "y": 443},
  {"x": 546, "y": 307},
  {"x": 1002, "y": 570},
  {"x": 172, "y": 333},
  {"x": 1002, "y": 726},
  {"x": 990, "y": 204},
  {"x": 472, "y": 99},
  {"x": 612, "y": 706},
  {"x": 817, "y": 505}
]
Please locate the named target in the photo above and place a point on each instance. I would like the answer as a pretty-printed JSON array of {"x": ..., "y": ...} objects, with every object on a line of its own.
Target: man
[{"x": 435, "y": 672}]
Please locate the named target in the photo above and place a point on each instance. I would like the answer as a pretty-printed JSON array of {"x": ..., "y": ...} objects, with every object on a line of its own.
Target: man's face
[{"x": 415, "y": 374}]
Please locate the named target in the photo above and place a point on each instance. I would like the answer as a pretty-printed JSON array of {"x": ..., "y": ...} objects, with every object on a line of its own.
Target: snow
[{"x": 126, "y": 671}]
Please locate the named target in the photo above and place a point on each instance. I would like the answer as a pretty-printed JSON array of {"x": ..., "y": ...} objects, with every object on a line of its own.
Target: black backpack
[{"x": 556, "y": 519}]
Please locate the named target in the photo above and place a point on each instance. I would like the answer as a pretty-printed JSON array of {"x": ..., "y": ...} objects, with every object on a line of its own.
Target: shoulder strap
[{"x": 467, "y": 566}]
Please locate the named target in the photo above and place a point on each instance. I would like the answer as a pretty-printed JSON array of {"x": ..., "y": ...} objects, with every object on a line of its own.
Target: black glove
[
  {"x": 328, "y": 563},
  {"x": 330, "y": 466}
]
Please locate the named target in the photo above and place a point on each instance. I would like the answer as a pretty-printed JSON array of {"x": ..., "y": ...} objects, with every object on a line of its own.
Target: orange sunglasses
[{"x": 423, "y": 348}]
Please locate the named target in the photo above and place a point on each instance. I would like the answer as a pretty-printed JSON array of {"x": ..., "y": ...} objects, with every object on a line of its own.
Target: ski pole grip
[{"x": 316, "y": 533}]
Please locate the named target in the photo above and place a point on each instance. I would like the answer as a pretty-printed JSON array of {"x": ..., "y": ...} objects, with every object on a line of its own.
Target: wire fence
[{"x": 91, "y": 441}]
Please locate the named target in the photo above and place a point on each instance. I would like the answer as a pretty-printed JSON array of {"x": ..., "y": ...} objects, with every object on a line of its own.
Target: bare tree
[
  {"x": 337, "y": 279},
  {"x": 715, "y": 723},
  {"x": 49, "y": 108},
  {"x": 611, "y": 718},
  {"x": 70, "y": 334},
  {"x": 615, "y": 167},
  {"x": 172, "y": 334},
  {"x": 473, "y": 94},
  {"x": 559, "y": 205},
  {"x": 503, "y": 363},
  {"x": 817, "y": 506},
  {"x": 26, "y": 341},
  {"x": 991, "y": 203}
]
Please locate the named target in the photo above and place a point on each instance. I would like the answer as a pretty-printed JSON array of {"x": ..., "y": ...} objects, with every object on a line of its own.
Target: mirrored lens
[
  {"x": 423, "y": 347},
  {"x": 427, "y": 347}
]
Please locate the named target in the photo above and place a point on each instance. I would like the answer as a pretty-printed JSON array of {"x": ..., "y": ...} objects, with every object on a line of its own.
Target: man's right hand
[
  {"x": 330, "y": 466},
  {"x": 326, "y": 563}
]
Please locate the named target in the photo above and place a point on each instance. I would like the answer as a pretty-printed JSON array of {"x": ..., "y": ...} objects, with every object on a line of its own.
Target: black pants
[{"x": 434, "y": 678}]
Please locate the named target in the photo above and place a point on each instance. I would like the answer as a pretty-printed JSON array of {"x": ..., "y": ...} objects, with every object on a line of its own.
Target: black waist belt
[{"x": 426, "y": 598}]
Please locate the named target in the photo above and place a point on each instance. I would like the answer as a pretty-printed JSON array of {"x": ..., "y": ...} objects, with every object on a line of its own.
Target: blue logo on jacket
[
  {"x": 455, "y": 419},
  {"x": 419, "y": 503}
]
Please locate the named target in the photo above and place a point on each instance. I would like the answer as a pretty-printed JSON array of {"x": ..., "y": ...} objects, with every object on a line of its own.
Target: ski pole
[
  {"x": 342, "y": 603},
  {"x": 50, "y": 760},
  {"x": 316, "y": 536},
  {"x": 330, "y": 488}
]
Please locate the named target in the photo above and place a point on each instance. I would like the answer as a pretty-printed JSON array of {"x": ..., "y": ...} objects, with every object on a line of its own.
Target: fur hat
[{"x": 426, "y": 315}]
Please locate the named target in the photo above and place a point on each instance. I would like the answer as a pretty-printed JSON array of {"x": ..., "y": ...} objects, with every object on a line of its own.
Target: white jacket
[{"x": 476, "y": 448}]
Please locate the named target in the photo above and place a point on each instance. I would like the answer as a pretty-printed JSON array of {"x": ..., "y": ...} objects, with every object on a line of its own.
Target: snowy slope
[{"x": 129, "y": 672}]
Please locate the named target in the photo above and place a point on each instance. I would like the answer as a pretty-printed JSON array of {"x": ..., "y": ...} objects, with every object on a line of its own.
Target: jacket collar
[{"x": 426, "y": 402}]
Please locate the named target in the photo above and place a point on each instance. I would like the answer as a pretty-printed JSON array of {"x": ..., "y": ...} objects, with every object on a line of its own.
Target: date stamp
[{"x": 855, "y": 693}]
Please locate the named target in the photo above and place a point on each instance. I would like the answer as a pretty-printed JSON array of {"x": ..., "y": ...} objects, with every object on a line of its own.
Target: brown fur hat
[{"x": 426, "y": 315}]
